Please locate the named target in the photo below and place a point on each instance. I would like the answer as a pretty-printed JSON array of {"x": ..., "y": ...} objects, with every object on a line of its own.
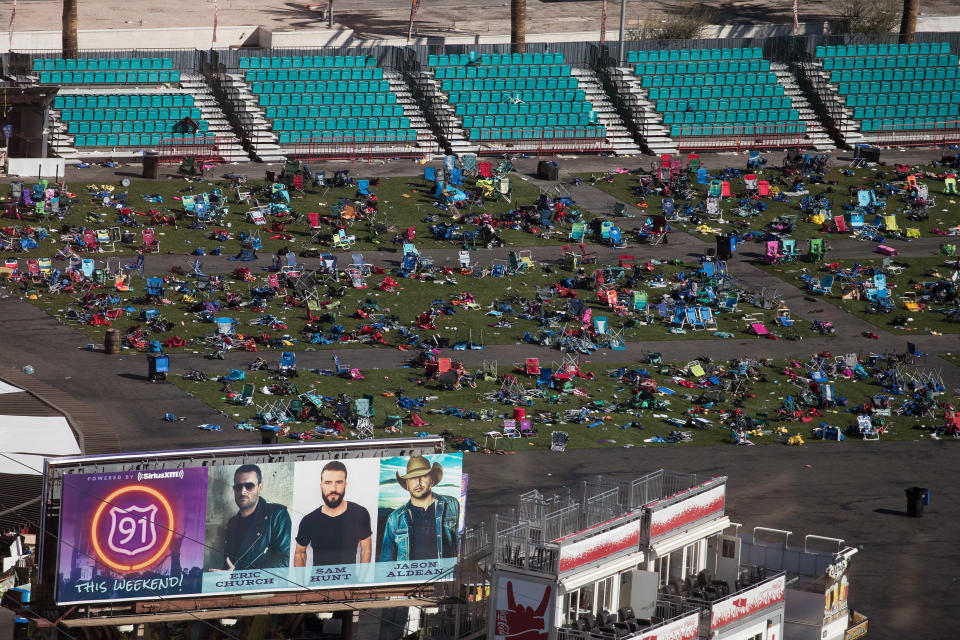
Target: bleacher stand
[
  {"x": 717, "y": 98},
  {"x": 894, "y": 93},
  {"x": 330, "y": 105},
  {"x": 516, "y": 101},
  {"x": 121, "y": 106}
]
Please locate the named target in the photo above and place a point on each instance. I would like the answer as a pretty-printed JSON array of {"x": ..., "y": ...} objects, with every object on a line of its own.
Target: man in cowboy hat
[{"x": 425, "y": 528}]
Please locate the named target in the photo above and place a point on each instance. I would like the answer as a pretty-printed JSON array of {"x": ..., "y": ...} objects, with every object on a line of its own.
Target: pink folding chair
[{"x": 758, "y": 329}]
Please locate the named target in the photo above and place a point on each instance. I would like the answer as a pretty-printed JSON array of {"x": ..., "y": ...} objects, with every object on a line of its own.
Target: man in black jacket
[{"x": 258, "y": 537}]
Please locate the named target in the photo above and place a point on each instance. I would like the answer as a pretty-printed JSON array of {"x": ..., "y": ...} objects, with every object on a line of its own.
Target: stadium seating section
[
  {"x": 502, "y": 97},
  {"x": 715, "y": 92},
  {"x": 328, "y": 97},
  {"x": 896, "y": 87},
  {"x": 124, "y": 120},
  {"x": 106, "y": 70}
]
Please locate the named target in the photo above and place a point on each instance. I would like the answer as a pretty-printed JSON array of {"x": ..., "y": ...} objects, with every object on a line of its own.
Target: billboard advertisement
[{"x": 228, "y": 529}]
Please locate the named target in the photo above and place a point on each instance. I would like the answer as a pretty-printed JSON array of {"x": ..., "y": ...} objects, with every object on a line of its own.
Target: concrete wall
[
  {"x": 186, "y": 38},
  {"x": 254, "y": 36}
]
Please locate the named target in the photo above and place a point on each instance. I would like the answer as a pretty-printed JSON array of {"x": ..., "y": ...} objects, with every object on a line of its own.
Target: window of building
[
  {"x": 691, "y": 558},
  {"x": 729, "y": 549},
  {"x": 571, "y": 606},
  {"x": 604, "y": 590},
  {"x": 663, "y": 569},
  {"x": 676, "y": 564},
  {"x": 587, "y": 603}
]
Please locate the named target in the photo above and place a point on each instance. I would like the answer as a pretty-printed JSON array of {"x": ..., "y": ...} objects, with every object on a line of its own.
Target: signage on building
[
  {"x": 835, "y": 597},
  {"x": 523, "y": 609},
  {"x": 686, "y": 628},
  {"x": 838, "y": 568},
  {"x": 859, "y": 628},
  {"x": 599, "y": 546},
  {"x": 680, "y": 514},
  {"x": 746, "y": 603}
]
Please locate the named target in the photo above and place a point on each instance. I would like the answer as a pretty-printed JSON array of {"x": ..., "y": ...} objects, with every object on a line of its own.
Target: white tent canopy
[
  {"x": 26, "y": 440},
  {"x": 9, "y": 388}
]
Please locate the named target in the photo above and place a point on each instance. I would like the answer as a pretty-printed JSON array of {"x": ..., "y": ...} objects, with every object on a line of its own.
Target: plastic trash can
[
  {"x": 158, "y": 366},
  {"x": 917, "y": 497},
  {"x": 269, "y": 434},
  {"x": 151, "y": 165}
]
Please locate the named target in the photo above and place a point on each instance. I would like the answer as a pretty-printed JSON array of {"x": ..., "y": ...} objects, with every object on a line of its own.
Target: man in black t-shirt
[{"x": 337, "y": 527}]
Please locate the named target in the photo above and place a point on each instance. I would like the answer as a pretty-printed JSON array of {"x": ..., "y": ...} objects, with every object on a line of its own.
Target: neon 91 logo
[{"x": 132, "y": 528}]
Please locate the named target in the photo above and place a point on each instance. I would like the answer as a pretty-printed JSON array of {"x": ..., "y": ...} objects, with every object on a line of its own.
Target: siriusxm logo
[{"x": 159, "y": 475}]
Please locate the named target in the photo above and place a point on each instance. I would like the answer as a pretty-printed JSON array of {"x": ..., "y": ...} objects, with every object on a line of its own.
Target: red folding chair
[
  {"x": 532, "y": 366},
  {"x": 150, "y": 242},
  {"x": 90, "y": 240},
  {"x": 626, "y": 261},
  {"x": 585, "y": 256},
  {"x": 484, "y": 170}
]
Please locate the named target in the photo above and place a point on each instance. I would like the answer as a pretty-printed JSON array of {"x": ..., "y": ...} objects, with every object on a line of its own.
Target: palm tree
[
  {"x": 518, "y": 26},
  {"x": 69, "y": 43},
  {"x": 908, "y": 24}
]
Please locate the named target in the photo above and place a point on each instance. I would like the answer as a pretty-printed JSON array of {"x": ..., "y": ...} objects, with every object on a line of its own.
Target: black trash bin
[
  {"x": 724, "y": 251},
  {"x": 151, "y": 165},
  {"x": 158, "y": 366},
  {"x": 271, "y": 176},
  {"x": 269, "y": 434},
  {"x": 917, "y": 497},
  {"x": 547, "y": 170}
]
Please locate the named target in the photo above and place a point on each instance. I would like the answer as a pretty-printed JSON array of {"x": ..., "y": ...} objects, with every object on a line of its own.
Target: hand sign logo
[{"x": 520, "y": 622}]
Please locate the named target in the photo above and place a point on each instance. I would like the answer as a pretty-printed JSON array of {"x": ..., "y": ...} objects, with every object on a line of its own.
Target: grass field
[
  {"x": 836, "y": 188},
  {"x": 604, "y": 396},
  {"x": 406, "y": 202},
  {"x": 411, "y": 298},
  {"x": 933, "y": 318}
]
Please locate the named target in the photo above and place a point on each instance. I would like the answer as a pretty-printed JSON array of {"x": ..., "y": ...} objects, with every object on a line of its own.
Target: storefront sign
[
  {"x": 599, "y": 546},
  {"x": 678, "y": 515},
  {"x": 686, "y": 628},
  {"x": 741, "y": 605}
]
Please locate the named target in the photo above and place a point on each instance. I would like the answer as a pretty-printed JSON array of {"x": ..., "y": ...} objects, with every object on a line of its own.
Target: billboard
[{"x": 229, "y": 529}]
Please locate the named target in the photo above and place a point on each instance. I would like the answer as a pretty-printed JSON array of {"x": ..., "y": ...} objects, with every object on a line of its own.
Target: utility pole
[
  {"x": 908, "y": 24},
  {"x": 518, "y": 26},
  {"x": 329, "y": 14},
  {"x": 623, "y": 27}
]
